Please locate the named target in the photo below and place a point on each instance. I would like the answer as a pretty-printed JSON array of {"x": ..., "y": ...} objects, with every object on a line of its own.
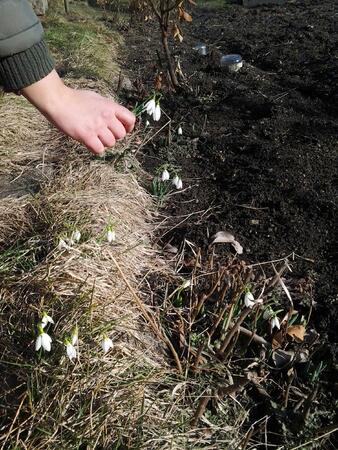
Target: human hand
[{"x": 87, "y": 117}]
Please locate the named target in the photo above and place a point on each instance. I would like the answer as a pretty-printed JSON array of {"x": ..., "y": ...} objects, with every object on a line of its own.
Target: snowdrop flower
[
  {"x": 180, "y": 131},
  {"x": 147, "y": 123},
  {"x": 111, "y": 236},
  {"x": 63, "y": 245},
  {"x": 165, "y": 175},
  {"x": 179, "y": 184},
  {"x": 75, "y": 336},
  {"x": 43, "y": 340},
  {"x": 176, "y": 180},
  {"x": 275, "y": 323},
  {"x": 46, "y": 319},
  {"x": 249, "y": 300},
  {"x": 106, "y": 344},
  {"x": 186, "y": 284},
  {"x": 71, "y": 351},
  {"x": 150, "y": 107},
  {"x": 157, "y": 113},
  {"x": 76, "y": 236}
]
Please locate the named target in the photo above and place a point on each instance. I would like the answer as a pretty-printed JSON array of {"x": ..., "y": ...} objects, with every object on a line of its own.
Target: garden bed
[{"x": 258, "y": 150}]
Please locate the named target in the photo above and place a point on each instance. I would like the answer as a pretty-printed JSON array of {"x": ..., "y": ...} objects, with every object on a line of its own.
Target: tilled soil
[{"x": 259, "y": 145}]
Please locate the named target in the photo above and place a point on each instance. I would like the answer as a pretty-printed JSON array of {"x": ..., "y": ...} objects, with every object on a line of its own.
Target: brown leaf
[
  {"x": 184, "y": 15},
  {"x": 192, "y": 2},
  {"x": 297, "y": 332},
  {"x": 277, "y": 340},
  {"x": 158, "y": 82},
  {"x": 177, "y": 33}
]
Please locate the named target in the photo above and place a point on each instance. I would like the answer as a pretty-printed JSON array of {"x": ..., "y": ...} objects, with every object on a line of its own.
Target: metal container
[
  {"x": 231, "y": 62},
  {"x": 201, "y": 49}
]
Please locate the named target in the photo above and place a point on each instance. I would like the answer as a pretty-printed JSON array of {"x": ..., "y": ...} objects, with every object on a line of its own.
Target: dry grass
[
  {"x": 130, "y": 398},
  {"x": 46, "y": 401}
]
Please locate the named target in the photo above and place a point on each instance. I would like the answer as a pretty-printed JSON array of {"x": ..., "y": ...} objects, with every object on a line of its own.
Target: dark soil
[{"x": 259, "y": 146}]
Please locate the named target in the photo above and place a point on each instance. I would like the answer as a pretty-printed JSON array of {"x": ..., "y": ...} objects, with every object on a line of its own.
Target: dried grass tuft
[{"x": 46, "y": 401}]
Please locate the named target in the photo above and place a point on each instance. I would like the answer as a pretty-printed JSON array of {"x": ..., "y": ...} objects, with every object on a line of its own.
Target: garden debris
[{"x": 226, "y": 237}]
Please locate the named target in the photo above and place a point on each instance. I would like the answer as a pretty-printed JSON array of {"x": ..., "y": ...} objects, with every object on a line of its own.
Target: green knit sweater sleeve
[{"x": 24, "y": 57}]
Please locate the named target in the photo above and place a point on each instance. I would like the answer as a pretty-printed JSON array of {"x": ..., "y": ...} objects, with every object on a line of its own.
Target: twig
[
  {"x": 255, "y": 337},
  {"x": 287, "y": 392},
  {"x": 333, "y": 430},
  {"x": 252, "y": 207},
  {"x": 234, "y": 329},
  {"x": 201, "y": 408},
  {"x": 247, "y": 438},
  {"x": 308, "y": 402},
  {"x": 14, "y": 420},
  {"x": 293, "y": 255}
]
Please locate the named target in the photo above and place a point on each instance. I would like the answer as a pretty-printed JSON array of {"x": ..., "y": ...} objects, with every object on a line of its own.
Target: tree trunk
[{"x": 171, "y": 67}]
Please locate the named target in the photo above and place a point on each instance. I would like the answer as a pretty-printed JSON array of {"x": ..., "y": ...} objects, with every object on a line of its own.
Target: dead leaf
[
  {"x": 277, "y": 340},
  {"x": 227, "y": 238},
  {"x": 184, "y": 15},
  {"x": 282, "y": 357},
  {"x": 158, "y": 82},
  {"x": 237, "y": 246},
  {"x": 223, "y": 236},
  {"x": 192, "y": 2},
  {"x": 177, "y": 33},
  {"x": 297, "y": 332}
]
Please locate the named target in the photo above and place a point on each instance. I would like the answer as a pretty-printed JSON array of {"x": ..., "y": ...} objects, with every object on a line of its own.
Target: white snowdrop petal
[
  {"x": 180, "y": 131},
  {"x": 157, "y": 113},
  {"x": 71, "y": 351},
  {"x": 151, "y": 107},
  {"x": 165, "y": 175},
  {"x": 46, "y": 319},
  {"x": 275, "y": 323},
  {"x": 74, "y": 339},
  {"x": 63, "y": 245},
  {"x": 249, "y": 300},
  {"x": 175, "y": 180},
  {"x": 38, "y": 343},
  {"x": 179, "y": 184},
  {"x": 76, "y": 236},
  {"x": 111, "y": 236},
  {"x": 46, "y": 341},
  {"x": 106, "y": 344}
]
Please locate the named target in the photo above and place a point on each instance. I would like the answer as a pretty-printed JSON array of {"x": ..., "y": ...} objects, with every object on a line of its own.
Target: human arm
[
  {"x": 85, "y": 116},
  {"x": 26, "y": 66}
]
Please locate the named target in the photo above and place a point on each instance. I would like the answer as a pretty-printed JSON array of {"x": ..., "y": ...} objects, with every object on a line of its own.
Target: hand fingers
[
  {"x": 107, "y": 138},
  {"x": 94, "y": 144},
  {"x": 126, "y": 117},
  {"x": 117, "y": 128}
]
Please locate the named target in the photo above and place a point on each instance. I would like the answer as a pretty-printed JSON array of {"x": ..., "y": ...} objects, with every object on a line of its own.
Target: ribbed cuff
[{"x": 25, "y": 68}]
